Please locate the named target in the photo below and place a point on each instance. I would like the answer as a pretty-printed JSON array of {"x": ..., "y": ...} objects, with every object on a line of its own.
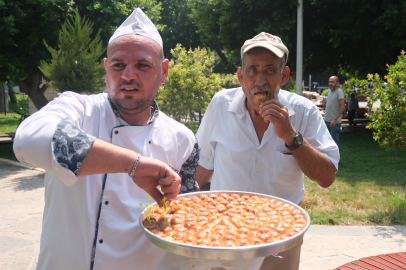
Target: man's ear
[
  {"x": 165, "y": 71},
  {"x": 239, "y": 75},
  {"x": 105, "y": 67},
  {"x": 285, "y": 75}
]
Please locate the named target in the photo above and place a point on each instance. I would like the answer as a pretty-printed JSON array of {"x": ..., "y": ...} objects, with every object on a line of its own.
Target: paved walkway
[{"x": 22, "y": 202}]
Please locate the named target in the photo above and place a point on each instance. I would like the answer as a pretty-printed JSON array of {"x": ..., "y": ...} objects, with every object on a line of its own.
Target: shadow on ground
[{"x": 28, "y": 183}]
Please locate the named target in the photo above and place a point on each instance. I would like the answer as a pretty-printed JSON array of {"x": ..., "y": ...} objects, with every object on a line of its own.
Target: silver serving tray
[{"x": 226, "y": 253}]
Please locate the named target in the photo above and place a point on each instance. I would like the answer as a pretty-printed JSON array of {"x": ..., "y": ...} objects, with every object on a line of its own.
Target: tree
[
  {"x": 24, "y": 25},
  {"x": 75, "y": 66},
  {"x": 354, "y": 37},
  {"x": 224, "y": 25},
  {"x": 191, "y": 83},
  {"x": 389, "y": 120},
  {"x": 178, "y": 27},
  {"x": 107, "y": 15}
]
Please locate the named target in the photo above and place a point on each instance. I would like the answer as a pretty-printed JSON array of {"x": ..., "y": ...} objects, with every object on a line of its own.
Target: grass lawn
[
  {"x": 369, "y": 188},
  {"x": 9, "y": 122}
]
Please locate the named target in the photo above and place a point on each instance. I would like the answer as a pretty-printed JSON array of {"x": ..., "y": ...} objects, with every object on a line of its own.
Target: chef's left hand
[{"x": 274, "y": 112}]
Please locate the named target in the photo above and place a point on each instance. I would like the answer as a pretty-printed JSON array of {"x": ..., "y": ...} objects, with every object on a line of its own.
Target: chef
[{"x": 104, "y": 154}]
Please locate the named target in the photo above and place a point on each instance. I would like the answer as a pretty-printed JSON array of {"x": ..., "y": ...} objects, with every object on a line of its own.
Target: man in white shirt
[
  {"x": 260, "y": 138},
  {"x": 104, "y": 154},
  {"x": 335, "y": 107}
]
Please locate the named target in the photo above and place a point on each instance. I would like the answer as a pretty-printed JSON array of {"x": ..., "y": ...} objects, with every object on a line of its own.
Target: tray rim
[{"x": 160, "y": 242}]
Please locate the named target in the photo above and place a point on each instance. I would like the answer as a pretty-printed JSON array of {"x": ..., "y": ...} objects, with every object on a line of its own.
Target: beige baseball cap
[{"x": 267, "y": 41}]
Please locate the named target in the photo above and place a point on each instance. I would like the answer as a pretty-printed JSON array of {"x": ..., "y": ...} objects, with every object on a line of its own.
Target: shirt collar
[
  {"x": 238, "y": 107},
  {"x": 154, "y": 114}
]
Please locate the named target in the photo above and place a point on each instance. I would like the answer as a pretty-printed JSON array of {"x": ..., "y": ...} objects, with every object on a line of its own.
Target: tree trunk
[
  {"x": 2, "y": 98},
  {"x": 222, "y": 56},
  {"x": 200, "y": 116},
  {"x": 11, "y": 93},
  {"x": 31, "y": 87}
]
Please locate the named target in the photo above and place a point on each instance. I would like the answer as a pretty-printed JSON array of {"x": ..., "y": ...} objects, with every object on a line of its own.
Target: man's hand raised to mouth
[{"x": 274, "y": 112}]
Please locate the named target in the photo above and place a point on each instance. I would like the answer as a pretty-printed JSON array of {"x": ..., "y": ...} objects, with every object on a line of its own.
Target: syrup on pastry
[{"x": 226, "y": 219}]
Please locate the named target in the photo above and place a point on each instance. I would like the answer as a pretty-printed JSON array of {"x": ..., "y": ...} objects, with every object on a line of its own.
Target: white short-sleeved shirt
[
  {"x": 230, "y": 146},
  {"x": 333, "y": 105}
]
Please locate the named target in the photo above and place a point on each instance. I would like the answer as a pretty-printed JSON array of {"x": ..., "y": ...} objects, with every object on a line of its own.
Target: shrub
[
  {"x": 355, "y": 86},
  {"x": 191, "y": 83},
  {"x": 389, "y": 120},
  {"x": 75, "y": 66}
]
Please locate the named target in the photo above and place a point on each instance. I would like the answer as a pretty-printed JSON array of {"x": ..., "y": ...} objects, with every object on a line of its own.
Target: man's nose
[
  {"x": 129, "y": 73},
  {"x": 260, "y": 80}
]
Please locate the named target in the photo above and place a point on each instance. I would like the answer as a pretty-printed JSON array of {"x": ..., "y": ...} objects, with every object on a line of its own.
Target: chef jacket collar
[
  {"x": 238, "y": 107},
  {"x": 154, "y": 115}
]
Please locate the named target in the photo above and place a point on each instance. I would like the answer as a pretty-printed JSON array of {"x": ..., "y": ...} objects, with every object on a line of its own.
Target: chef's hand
[
  {"x": 151, "y": 173},
  {"x": 274, "y": 112}
]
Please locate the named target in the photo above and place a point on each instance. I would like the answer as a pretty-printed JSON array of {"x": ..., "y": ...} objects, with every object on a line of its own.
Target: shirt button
[
  {"x": 149, "y": 142},
  {"x": 106, "y": 202},
  {"x": 101, "y": 241},
  {"x": 257, "y": 170},
  {"x": 116, "y": 131}
]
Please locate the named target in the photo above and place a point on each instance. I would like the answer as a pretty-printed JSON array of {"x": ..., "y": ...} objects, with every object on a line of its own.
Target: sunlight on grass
[
  {"x": 368, "y": 190},
  {"x": 9, "y": 121}
]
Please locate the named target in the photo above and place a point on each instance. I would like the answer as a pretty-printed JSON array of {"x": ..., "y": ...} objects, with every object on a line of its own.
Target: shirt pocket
[{"x": 287, "y": 171}]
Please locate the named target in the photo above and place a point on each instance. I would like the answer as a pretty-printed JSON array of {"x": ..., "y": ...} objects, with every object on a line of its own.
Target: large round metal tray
[{"x": 226, "y": 253}]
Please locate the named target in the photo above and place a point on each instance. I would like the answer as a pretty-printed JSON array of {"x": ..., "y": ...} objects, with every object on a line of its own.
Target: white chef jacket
[
  {"x": 72, "y": 203},
  {"x": 230, "y": 146}
]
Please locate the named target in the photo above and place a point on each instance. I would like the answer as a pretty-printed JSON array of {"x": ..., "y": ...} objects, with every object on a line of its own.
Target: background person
[
  {"x": 265, "y": 148},
  {"x": 335, "y": 107},
  {"x": 353, "y": 107},
  {"x": 104, "y": 153}
]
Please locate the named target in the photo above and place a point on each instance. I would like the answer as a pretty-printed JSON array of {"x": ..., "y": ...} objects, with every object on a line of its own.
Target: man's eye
[
  {"x": 142, "y": 65},
  {"x": 118, "y": 65}
]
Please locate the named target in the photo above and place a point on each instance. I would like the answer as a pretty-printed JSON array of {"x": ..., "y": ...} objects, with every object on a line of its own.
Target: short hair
[{"x": 260, "y": 50}]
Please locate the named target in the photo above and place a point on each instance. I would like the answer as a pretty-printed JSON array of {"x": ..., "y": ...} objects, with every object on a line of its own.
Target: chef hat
[{"x": 139, "y": 24}]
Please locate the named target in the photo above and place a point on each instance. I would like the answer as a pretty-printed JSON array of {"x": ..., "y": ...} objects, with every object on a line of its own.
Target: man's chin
[{"x": 132, "y": 107}]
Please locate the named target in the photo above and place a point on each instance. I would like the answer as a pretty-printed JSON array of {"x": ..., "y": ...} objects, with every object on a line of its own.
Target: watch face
[{"x": 299, "y": 138}]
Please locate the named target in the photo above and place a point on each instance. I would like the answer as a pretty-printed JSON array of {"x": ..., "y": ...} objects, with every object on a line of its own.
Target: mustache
[
  {"x": 265, "y": 87},
  {"x": 131, "y": 82}
]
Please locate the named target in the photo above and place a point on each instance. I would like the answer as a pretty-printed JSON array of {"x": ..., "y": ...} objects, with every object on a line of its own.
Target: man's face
[
  {"x": 134, "y": 72},
  {"x": 333, "y": 83},
  {"x": 261, "y": 74}
]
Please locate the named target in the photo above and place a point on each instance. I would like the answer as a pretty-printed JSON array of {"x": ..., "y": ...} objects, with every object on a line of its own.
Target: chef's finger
[
  {"x": 156, "y": 195},
  {"x": 168, "y": 177},
  {"x": 172, "y": 195},
  {"x": 172, "y": 187}
]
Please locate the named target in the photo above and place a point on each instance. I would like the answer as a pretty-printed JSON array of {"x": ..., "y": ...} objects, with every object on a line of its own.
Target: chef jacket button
[
  {"x": 116, "y": 131},
  {"x": 106, "y": 202},
  {"x": 149, "y": 142},
  {"x": 101, "y": 241}
]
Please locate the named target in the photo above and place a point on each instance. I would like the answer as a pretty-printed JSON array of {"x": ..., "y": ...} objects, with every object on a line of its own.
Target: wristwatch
[{"x": 298, "y": 141}]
